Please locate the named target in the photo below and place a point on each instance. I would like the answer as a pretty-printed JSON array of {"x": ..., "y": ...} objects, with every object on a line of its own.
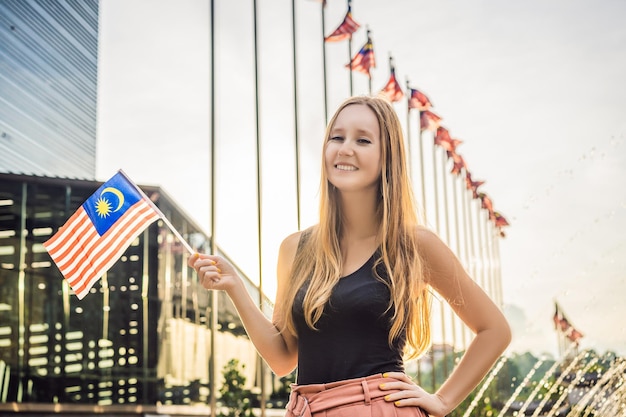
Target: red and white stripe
[
  {"x": 345, "y": 29},
  {"x": 83, "y": 256}
]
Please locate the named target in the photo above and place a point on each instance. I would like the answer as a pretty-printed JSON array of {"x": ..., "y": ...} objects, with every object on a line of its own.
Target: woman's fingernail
[
  {"x": 386, "y": 398},
  {"x": 397, "y": 403},
  {"x": 213, "y": 263},
  {"x": 219, "y": 271},
  {"x": 385, "y": 375},
  {"x": 382, "y": 386}
]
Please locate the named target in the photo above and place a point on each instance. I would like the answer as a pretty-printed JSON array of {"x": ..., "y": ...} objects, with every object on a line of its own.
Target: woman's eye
[
  {"x": 335, "y": 138},
  {"x": 363, "y": 140}
]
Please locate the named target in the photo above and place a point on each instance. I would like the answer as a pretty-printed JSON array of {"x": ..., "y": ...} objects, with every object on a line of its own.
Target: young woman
[{"x": 353, "y": 291}]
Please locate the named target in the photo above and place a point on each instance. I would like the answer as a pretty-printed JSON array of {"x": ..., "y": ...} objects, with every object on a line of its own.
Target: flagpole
[
  {"x": 492, "y": 277},
  {"x": 444, "y": 180},
  {"x": 408, "y": 127},
  {"x": 421, "y": 154},
  {"x": 499, "y": 272},
  {"x": 213, "y": 297},
  {"x": 480, "y": 248},
  {"x": 350, "y": 51},
  {"x": 472, "y": 249},
  {"x": 457, "y": 236},
  {"x": 324, "y": 63},
  {"x": 369, "y": 71},
  {"x": 466, "y": 239},
  {"x": 489, "y": 256},
  {"x": 160, "y": 213},
  {"x": 438, "y": 228},
  {"x": 261, "y": 365},
  {"x": 295, "y": 108}
]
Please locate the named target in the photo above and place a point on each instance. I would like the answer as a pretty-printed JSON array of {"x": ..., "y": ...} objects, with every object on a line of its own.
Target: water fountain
[{"x": 485, "y": 385}]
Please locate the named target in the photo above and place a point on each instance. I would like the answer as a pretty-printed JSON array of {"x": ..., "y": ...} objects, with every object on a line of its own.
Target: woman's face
[{"x": 353, "y": 152}]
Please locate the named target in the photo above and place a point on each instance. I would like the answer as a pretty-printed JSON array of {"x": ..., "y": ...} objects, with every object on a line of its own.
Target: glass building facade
[
  {"x": 48, "y": 87},
  {"x": 140, "y": 338}
]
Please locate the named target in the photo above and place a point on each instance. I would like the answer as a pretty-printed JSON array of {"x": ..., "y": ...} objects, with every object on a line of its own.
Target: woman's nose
[{"x": 346, "y": 148}]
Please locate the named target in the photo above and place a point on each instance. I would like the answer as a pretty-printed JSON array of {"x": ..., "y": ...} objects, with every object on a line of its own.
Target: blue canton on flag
[{"x": 110, "y": 202}]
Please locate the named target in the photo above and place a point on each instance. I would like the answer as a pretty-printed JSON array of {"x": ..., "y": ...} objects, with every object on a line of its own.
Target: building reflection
[{"x": 141, "y": 336}]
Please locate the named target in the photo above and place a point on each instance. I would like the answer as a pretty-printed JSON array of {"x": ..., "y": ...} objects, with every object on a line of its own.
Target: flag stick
[
  {"x": 422, "y": 169},
  {"x": 323, "y": 3},
  {"x": 457, "y": 241},
  {"x": 213, "y": 300},
  {"x": 444, "y": 191},
  {"x": 369, "y": 71},
  {"x": 161, "y": 215},
  {"x": 479, "y": 245},
  {"x": 350, "y": 52},
  {"x": 408, "y": 126},
  {"x": 438, "y": 228},
  {"x": 295, "y": 108},
  {"x": 261, "y": 365},
  {"x": 459, "y": 200},
  {"x": 469, "y": 237}
]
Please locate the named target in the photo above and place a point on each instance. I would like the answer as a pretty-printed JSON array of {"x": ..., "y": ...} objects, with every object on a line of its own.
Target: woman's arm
[
  {"x": 445, "y": 274},
  {"x": 277, "y": 348}
]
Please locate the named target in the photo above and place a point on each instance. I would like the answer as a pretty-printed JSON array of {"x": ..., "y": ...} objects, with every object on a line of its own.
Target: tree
[{"x": 235, "y": 399}]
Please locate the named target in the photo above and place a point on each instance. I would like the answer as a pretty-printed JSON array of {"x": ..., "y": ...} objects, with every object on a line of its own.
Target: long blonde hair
[{"x": 319, "y": 256}]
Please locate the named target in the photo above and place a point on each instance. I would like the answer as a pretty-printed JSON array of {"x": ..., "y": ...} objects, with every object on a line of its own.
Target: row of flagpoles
[{"x": 364, "y": 60}]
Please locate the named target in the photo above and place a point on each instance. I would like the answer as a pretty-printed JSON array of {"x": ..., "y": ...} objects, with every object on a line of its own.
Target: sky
[{"x": 534, "y": 89}]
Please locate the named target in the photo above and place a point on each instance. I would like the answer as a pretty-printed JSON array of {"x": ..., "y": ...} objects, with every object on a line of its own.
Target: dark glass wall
[{"x": 141, "y": 336}]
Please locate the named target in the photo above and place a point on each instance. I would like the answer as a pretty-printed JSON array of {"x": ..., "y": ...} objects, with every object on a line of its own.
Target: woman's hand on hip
[{"x": 408, "y": 394}]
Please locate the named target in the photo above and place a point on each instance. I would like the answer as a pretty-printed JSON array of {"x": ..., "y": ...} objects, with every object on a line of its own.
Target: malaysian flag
[
  {"x": 97, "y": 234},
  {"x": 429, "y": 120},
  {"x": 458, "y": 163},
  {"x": 392, "y": 89},
  {"x": 345, "y": 29},
  {"x": 471, "y": 184},
  {"x": 418, "y": 100},
  {"x": 364, "y": 60}
]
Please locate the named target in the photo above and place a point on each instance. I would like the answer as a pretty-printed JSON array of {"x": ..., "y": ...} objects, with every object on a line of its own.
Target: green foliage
[
  {"x": 234, "y": 398},
  {"x": 280, "y": 397}
]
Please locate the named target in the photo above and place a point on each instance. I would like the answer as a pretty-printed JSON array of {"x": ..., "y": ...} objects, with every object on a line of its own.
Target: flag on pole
[
  {"x": 392, "y": 89},
  {"x": 471, "y": 184},
  {"x": 429, "y": 120},
  {"x": 458, "y": 163},
  {"x": 364, "y": 60},
  {"x": 345, "y": 29},
  {"x": 500, "y": 221},
  {"x": 486, "y": 203},
  {"x": 418, "y": 100},
  {"x": 443, "y": 139},
  {"x": 562, "y": 325},
  {"x": 97, "y": 234}
]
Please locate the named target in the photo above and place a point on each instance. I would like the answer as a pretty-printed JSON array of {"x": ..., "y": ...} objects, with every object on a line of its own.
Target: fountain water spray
[
  {"x": 521, "y": 386},
  {"x": 542, "y": 381},
  {"x": 580, "y": 373},
  {"x": 485, "y": 385},
  {"x": 599, "y": 392}
]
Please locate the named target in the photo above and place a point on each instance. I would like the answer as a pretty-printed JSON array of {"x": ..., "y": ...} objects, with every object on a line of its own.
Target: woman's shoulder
[
  {"x": 292, "y": 242},
  {"x": 424, "y": 235},
  {"x": 289, "y": 248},
  {"x": 430, "y": 244}
]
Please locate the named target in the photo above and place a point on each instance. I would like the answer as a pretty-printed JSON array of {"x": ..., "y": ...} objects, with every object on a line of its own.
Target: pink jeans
[{"x": 360, "y": 397}]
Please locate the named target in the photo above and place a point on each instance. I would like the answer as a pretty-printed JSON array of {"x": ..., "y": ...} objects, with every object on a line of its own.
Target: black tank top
[{"x": 352, "y": 336}]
